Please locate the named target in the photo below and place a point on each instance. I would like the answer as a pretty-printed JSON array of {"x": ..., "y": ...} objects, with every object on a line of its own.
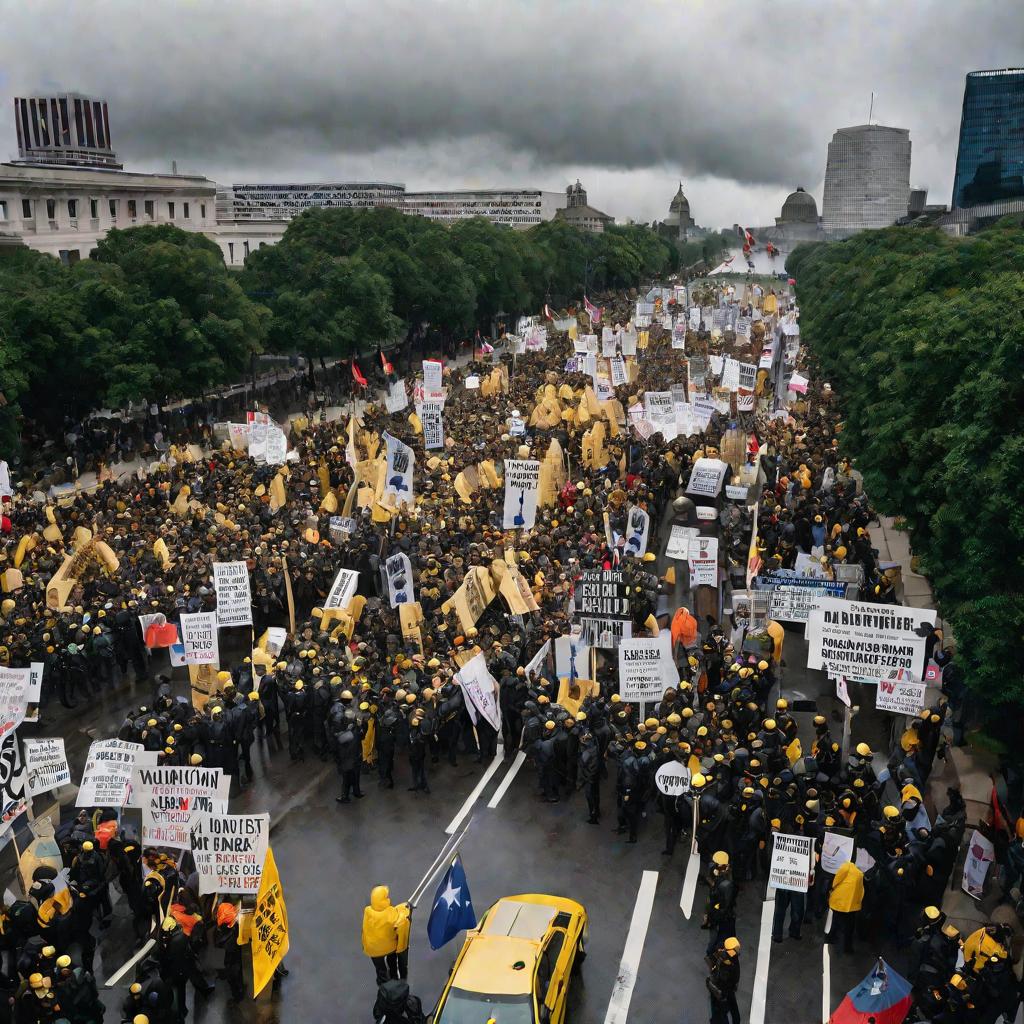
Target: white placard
[
  {"x": 678, "y": 546},
  {"x": 259, "y": 422},
  {"x": 229, "y": 850},
  {"x": 980, "y": 854},
  {"x": 399, "y": 471},
  {"x": 473, "y": 383},
  {"x": 703, "y": 573},
  {"x": 14, "y": 684},
  {"x": 398, "y": 570},
  {"x": 481, "y": 689},
  {"x": 836, "y": 850},
  {"x": 790, "y": 866},
  {"x": 343, "y": 589},
  {"x": 638, "y": 528},
  {"x": 46, "y": 765},
  {"x": 107, "y": 778},
  {"x": 199, "y": 638},
  {"x": 707, "y": 476},
  {"x": 432, "y": 373},
  {"x": 432, "y": 419},
  {"x": 276, "y": 446},
  {"x": 900, "y": 693},
  {"x": 641, "y": 669},
  {"x": 843, "y": 692},
  {"x": 234, "y": 598},
  {"x": 173, "y": 798},
  {"x": 617, "y": 366},
  {"x": 673, "y": 778},
  {"x": 522, "y": 486}
]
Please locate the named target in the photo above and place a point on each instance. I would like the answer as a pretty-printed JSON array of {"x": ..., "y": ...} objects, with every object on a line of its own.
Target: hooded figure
[{"x": 386, "y": 935}]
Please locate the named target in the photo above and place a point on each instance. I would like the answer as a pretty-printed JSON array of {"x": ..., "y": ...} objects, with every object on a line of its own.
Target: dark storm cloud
[{"x": 746, "y": 91}]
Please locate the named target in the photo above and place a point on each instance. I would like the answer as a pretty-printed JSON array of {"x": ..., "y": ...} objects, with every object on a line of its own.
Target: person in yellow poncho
[
  {"x": 845, "y": 900},
  {"x": 386, "y": 935}
]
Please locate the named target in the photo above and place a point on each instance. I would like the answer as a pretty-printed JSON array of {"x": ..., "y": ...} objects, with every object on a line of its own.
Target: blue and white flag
[{"x": 453, "y": 907}]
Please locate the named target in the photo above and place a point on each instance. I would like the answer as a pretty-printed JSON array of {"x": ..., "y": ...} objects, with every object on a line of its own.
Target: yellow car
[{"x": 515, "y": 966}]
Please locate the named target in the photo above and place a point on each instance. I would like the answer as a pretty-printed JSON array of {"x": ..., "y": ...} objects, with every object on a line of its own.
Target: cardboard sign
[
  {"x": 398, "y": 570},
  {"x": 641, "y": 669},
  {"x": 790, "y": 866},
  {"x": 229, "y": 851},
  {"x": 343, "y": 589},
  {"x": 678, "y": 546},
  {"x": 395, "y": 398},
  {"x": 432, "y": 373},
  {"x": 737, "y": 492},
  {"x": 173, "y": 799},
  {"x": 106, "y": 781},
  {"x": 836, "y": 850},
  {"x": 234, "y": 598},
  {"x": 673, "y": 778},
  {"x": 276, "y": 446},
  {"x": 399, "y": 471},
  {"x": 980, "y": 854},
  {"x": 605, "y": 633},
  {"x": 707, "y": 477},
  {"x": 46, "y": 765},
  {"x": 602, "y": 594},
  {"x": 14, "y": 685},
  {"x": 432, "y": 420},
  {"x": 269, "y": 942},
  {"x": 199, "y": 638},
  {"x": 899, "y": 693},
  {"x": 522, "y": 487},
  {"x": 638, "y": 527}
]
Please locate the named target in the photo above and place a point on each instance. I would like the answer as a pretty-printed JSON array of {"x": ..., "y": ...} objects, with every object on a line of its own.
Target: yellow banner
[{"x": 269, "y": 926}]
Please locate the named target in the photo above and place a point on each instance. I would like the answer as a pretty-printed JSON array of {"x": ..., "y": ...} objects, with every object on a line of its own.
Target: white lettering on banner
[
  {"x": 853, "y": 638},
  {"x": 432, "y": 419},
  {"x": 234, "y": 598},
  {"x": 900, "y": 693},
  {"x": 199, "y": 638},
  {"x": 522, "y": 486},
  {"x": 229, "y": 851},
  {"x": 641, "y": 668},
  {"x": 673, "y": 778},
  {"x": 980, "y": 854},
  {"x": 707, "y": 476},
  {"x": 432, "y": 372},
  {"x": 602, "y": 594},
  {"x": 482, "y": 690},
  {"x": 343, "y": 589},
  {"x": 836, "y": 850},
  {"x": 790, "y": 866},
  {"x": 46, "y": 765},
  {"x": 106, "y": 780}
]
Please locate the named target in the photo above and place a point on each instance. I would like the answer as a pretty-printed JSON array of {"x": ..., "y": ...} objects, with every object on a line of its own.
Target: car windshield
[{"x": 463, "y": 1007}]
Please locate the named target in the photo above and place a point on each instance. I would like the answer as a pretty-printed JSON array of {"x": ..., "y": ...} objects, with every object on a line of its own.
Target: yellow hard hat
[
  {"x": 863, "y": 750},
  {"x": 732, "y": 945}
]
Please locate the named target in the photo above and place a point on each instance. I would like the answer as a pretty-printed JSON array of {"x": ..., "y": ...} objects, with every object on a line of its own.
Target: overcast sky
[{"x": 739, "y": 99}]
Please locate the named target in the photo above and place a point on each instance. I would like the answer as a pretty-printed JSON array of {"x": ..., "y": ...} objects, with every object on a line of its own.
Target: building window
[
  {"x": 231, "y": 252},
  {"x": 185, "y": 210},
  {"x": 133, "y": 209},
  {"x": 245, "y": 246},
  {"x": 51, "y": 209},
  {"x": 73, "y": 208},
  {"x": 202, "y": 211},
  {"x": 149, "y": 208},
  {"x": 94, "y": 209},
  {"x": 170, "y": 211},
  {"x": 26, "y": 209},
  {"x": 112, "y": 205},
  {"x": 3, "y": 210}
]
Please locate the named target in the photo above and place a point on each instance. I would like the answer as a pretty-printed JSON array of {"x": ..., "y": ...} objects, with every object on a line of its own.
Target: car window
[
  {"x": 462, "y": 1007},
  {"x": 549, "y": 961}
]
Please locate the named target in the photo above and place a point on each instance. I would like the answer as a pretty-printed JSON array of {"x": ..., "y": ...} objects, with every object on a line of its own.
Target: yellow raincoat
[
  {"x": 847, "y": 893},
  {"x": 385, "y": 928}
]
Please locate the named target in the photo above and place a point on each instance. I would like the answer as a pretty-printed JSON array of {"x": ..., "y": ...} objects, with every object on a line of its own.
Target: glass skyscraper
[{"x": 990, "y": 157}]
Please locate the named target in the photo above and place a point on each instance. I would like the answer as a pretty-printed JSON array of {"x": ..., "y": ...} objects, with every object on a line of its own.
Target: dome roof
[
  {"x": 800, "y": 206},
  {"x": 679, "y": 204}
]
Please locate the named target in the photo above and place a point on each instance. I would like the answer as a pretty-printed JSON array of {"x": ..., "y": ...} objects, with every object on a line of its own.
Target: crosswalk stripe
[
  {"x": 507, "y": 781},
  {"x": 764, "y": 952},
  {"x": 495, "y": 764},
  {"x": 622, "y": 992},
  {"x": 826, "y": 975}
]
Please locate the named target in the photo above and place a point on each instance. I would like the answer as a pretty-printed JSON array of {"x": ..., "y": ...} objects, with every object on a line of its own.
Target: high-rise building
[
  {"x": 990, "y": 156},
  {"x": 867, "y": 178}
]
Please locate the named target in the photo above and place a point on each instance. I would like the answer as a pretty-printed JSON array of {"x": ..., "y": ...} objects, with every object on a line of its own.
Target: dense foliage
[{"x": 921, "y": 335}]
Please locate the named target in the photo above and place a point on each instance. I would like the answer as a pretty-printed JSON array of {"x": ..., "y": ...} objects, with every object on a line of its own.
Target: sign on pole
[
  {"x": 790, "y": 866},
  {"x": 522, "y": 487},
  {"x": 199, "y": 638},
  {"x": 107, "y": 778},
  {"x": 673, "y": 778},
  {"x": 641, "y": 669},
  {"x": 46, "y": 765},
  {"x": 229, "y": 851},
  {"x": 234, "y": 598},
  {"x": 900, "y": 693}
]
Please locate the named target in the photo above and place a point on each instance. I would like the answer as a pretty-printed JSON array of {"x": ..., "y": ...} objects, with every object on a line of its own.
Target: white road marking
[
  {"x": 826, "y": 975},
  {"x": 507, "y": 781},
  {"x": 622, "y": 992},
  {"x": 690, "y": 884},
  {"x": 125, "y": 967},
  {"x": 495, "y": 764},
  {"x": 764, "y": 952}
]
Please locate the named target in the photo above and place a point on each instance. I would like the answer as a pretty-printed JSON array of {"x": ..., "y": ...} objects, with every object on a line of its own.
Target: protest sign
[
  {"x": 617, "y": 368},
  {"x": 792, "y": 598},
  {"x": 229, "y": 851},
  {"x": 737, "y": 492},
  {"x": 173, "y": 798},
  {"x": 238, "y": 435},
  {"x": 481, "y": 690},
  {"x": 843, "y": 692},
  {"x": 641, "y": 671},
  {"x": 14, "y": 684},
  {"x": 790, "y": 866},
  {"x": 277, "y": 446},
  {"x": 605, "y": 633},
  {"x": 836, "y": 850},
  {"x": 432, "y": 420},
  {"x": 46, "y": 765},
  {"x": 106, "y": 780},
  {"x": 398, "y": 570},
  {"x": 638, "y": 527},
  {"x": 602, "y": 594},
  {"x": 13, "y": 795},
  {"x": 660, "y": 412},
  {"x": 703, "y": 572},
  {"x": 980, "y": 854},
  {"x": 234, "y": 598},
  {"x": 343, "y": 589},
  {"x": 199, "y": 638},
  {"x": 854, "y": 638},
  {"x": 269, "y": 942},
  {"x": 395, "y": 398},
  {"x": 473, "y": 383},
  {"x": 673, "y": 778},
  {"x": 730, "y": 374},
  {"x": 522, "y": 486},
  {"x": 900, "y": 693},
  {"x": 432, "y": 373},
  {"x": 707, "y": 476},
  {"x": 538, "y": 662},
  {"x": 259, "y": 422},
  {"x": 678, "y": 546},
  {"x": 572, "y": 657},
  {"x": 398, "y": 473}
]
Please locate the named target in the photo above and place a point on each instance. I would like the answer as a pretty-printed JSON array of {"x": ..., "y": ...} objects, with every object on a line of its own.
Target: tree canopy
[{"x": 919, "y": 332}]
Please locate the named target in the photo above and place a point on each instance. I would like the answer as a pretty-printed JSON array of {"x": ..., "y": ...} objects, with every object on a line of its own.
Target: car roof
[
  {"x": 518, "y": 919},
  {"x": 487, "y": 965}
]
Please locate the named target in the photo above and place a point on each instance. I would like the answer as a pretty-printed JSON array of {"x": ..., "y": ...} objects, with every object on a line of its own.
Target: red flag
[
  {"x": 357, "y": 375},
  {"x": 388, "y": 368},
  {"x": 592, "y": 311}
]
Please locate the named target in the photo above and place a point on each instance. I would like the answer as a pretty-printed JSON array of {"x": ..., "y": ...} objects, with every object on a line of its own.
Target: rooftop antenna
[
  {"x": 871, "y": 109},
  {"x": 174, "y": 167}
]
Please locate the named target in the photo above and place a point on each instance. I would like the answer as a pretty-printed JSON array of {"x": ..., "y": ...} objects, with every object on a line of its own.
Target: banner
[
  {"x": 258, "y": 424},
  {"x": 398, "y": 570},
  {"x": 107, "y": 778},
  {"x": 199, "y": 638},
  {"x": 980, "y": 853},
  {"x": 638, "y": 527},
  {"x": 276, "y": 446},
  {"x": 432, "y": 373},
  {"x": 46, "y": 765},
  {"x": 234, "y": 599},
  {"x": 173, "y": 798},
  {"x": 641, "y": 669},
  {"x": 572, "y": 658},
  {"x": 605, "y": 633},
  {"x": 269, "y": 940},
  {"x": 792, "y": 598},
  {"x": 229, "y": 851},
  {"x": 602, "y": 594},
  {"x": 836, "y": 850},
  {"x": 522, "y": 486},
  {"x": 432, "y": 421},
  {"x": 13, "y": 798},
  {"x": 343, "y": 589},
  {"x": 900, "y": 693},
  {"x": 14, "y": 685},
  {"x": 398, "y": 474},
  {"x": 790, "y": 866},
  {"x": 395, "y": 398},
  {"x": 482, "y": 690},
  {"x": 854, "y": 638},
  {"x": 660, "y": 412},
  {"x": 707, "y": 477}
]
